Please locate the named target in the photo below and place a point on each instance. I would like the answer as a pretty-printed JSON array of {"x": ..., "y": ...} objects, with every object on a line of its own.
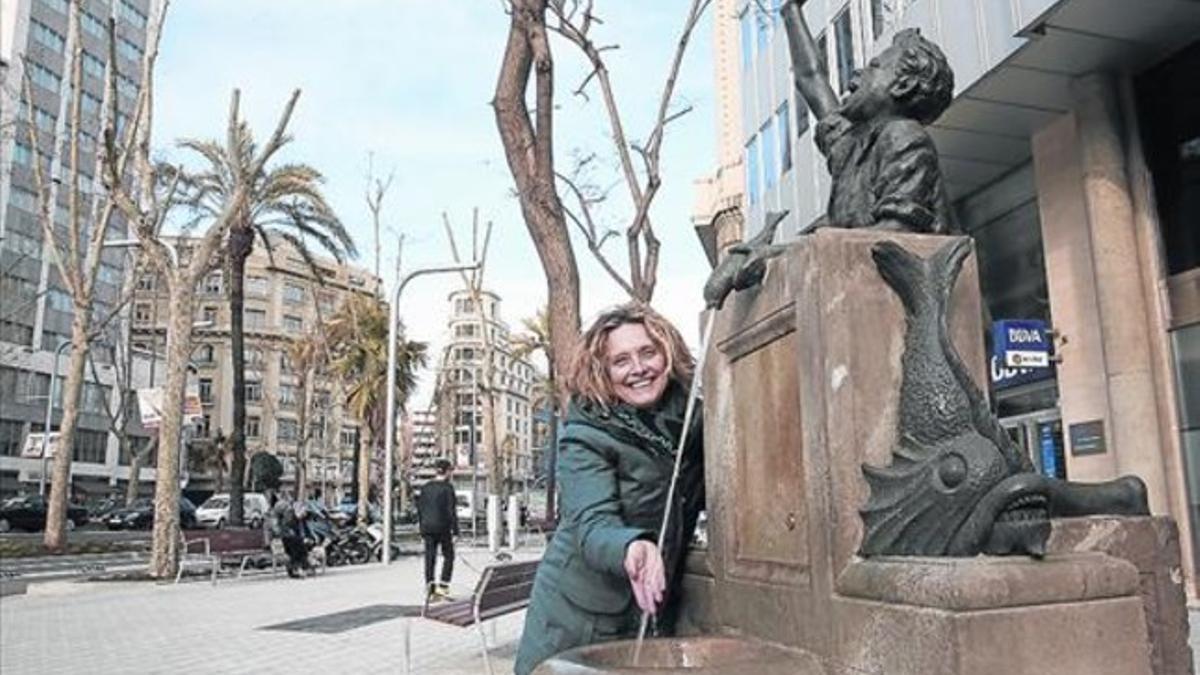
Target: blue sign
[
  {"x": 1021, "y": 343},
  {"x": 1049, "y": 450}
]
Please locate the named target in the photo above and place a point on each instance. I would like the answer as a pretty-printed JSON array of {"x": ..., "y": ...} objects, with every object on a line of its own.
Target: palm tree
[
  {"x": 285, "y": 203},
  {"x": 358, "y": 340},
  {"x": 536, "y": 339}
]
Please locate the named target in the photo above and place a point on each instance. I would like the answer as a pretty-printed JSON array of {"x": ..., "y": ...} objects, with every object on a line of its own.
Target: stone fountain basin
[{"x": 700, "y": 655}]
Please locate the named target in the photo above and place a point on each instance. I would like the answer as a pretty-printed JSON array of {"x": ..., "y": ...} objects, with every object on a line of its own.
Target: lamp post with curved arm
[{"x": 389, "y": 434}]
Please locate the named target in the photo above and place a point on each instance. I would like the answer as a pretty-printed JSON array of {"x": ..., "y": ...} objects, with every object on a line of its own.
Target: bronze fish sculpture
[{"x": 957, "y": 484}]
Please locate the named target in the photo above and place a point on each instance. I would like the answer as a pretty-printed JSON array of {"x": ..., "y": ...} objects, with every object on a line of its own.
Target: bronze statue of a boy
[{"x": 883, "y": 162}]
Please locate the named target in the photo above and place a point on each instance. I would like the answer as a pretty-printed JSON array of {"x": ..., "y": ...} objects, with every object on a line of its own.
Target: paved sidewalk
[{"x": 125, "y": 627}]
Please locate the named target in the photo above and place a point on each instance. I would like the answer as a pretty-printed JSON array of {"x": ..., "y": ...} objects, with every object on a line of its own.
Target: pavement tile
[{"x": 109, "y": 627}]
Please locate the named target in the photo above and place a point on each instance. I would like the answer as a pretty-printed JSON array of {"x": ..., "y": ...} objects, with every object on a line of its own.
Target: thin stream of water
[{"x": 687, "y": 425}]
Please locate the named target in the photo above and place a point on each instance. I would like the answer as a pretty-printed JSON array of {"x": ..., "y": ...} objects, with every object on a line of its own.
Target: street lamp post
[{"x": 389, "y": 434}]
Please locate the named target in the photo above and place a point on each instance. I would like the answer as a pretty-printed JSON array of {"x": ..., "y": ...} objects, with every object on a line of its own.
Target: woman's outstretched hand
[{"x": 644, "y": 565}]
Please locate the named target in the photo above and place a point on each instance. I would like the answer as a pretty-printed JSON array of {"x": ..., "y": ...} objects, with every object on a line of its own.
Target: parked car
[
  {"x": 214, "y": 512},
  {"x": 140, "y": 516},
  {"x": 101, "y": 510},
  {"x": 29, "y": 513}
]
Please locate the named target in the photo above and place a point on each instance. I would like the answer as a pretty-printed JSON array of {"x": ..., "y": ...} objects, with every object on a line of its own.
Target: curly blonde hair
[{"x": 589, "y": 379}]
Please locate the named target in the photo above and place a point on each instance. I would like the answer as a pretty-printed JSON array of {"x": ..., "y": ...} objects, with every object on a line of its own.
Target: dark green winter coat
[{"x": 614, "y": 470}]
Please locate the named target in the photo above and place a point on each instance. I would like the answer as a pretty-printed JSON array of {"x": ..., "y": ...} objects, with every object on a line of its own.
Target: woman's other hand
[{"x": 644, "y": 565}]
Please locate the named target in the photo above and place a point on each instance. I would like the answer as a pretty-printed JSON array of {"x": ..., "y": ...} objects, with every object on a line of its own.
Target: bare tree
[
  {"x": 528, "y": 140},
  {"x": 377, "y": 189},
  {"x": 76, "y": 252},
  {"x": 179, "y": 265}
]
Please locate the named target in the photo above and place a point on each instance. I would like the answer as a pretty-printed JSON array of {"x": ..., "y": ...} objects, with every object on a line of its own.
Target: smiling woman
[{"x": 616, "y": 454}]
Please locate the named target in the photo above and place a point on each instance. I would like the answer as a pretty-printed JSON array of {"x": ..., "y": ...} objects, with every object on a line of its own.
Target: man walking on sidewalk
[{"x": 439, "y": 525}]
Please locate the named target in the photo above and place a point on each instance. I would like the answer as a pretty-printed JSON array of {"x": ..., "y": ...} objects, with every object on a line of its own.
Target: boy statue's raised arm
[{"x": 812, "y": 82}]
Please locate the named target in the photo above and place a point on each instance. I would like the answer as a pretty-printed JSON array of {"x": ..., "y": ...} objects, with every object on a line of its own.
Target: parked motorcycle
[{"x": 348, "y": 546}]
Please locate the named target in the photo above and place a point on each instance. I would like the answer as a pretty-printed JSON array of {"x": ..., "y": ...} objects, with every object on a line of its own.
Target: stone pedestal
[
  {"x": 1152, "y": 546},
  {"x": 801, "y": 390}
]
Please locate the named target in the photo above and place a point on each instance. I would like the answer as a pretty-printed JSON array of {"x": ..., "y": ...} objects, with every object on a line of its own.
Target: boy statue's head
[{"x": 911, "y": 78}]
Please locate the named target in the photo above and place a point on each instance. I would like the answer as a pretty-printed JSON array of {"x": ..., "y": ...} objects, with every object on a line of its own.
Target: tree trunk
[
  {"x": 241, "y": 242},
  {"x": 55, "y": 537},
  {"x": 530, "y": 157},
  {"x": 364, "y": 472},
  {"x": 164, "y": 551}
]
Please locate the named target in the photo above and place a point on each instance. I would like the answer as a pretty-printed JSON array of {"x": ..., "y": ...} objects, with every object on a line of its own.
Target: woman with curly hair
[{"x": 629, "y": 387}]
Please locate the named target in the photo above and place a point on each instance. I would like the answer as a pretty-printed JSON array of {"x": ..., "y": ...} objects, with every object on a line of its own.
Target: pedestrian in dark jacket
[
  {"x": 438, "y": 518},
  {"x": 616, "y": 453}
]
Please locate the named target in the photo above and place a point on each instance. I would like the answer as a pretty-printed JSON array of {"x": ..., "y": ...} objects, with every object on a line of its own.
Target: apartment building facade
[
  {"x": 461, "y": 388},
  {"x": 35, "y": 309},
  {"x": 284, "y": 301},
  {"x": 1071, "y": 153}
]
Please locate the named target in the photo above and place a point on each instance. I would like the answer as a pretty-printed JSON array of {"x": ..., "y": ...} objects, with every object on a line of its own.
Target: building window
[
  {"x": 785, "y": 138},
  {"x": 205, "y": 354},
  {"x": 23, "y": 199},
  {"x": 206, "y": 390},
  {"x": 286, "y": 431},
  {"x": 255, "y": 318},
  {"x": 258, "y": 285},
  {"x": 752, "y": 190},
  {"x": 762, "y": 25},
  {"x": 59, "y": 300},
  {"x": 287, "y": 396},
  {"x": 12, "y": 434},
  {"x": 253, "y": 392},
  {"x": 209, "y": 315},
  {"x": 44, "y": 77},
  {"x": 142, "y": 312},
  {"x": 92, "y": 65},
  {"x": 146, "y": 282},
  {"x": 90, "y": 446},
  {"x": 91, "y": 24},
  {"x": 768, "y": 154},
  {"x": 129, "y": 50},
  {"x": 255, "y": 358},
  {"x": 348, "y": 438},
  {"x": 844, "y": 43},
  {"x": 43, "y": 119},
  {"x": 293, "y": 294},
  {"x": 253, "y": 426},
  {"x": 293, "y": 324},
  {"x": 285, "y": 364},
  {"x": 47, "y": 37},
  {"x": 132, "y": 14},
  {"x": 212, "y": 284}
]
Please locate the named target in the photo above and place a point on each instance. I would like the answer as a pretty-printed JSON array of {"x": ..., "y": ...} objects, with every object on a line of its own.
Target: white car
[{"x": 214, "y": 512}]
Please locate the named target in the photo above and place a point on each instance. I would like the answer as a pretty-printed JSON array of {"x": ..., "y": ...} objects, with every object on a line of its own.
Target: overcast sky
[{"x": 409, "y": 82}]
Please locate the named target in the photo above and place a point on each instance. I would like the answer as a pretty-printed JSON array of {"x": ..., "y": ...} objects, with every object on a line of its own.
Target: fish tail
[{"x": 907, "y": 274}]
